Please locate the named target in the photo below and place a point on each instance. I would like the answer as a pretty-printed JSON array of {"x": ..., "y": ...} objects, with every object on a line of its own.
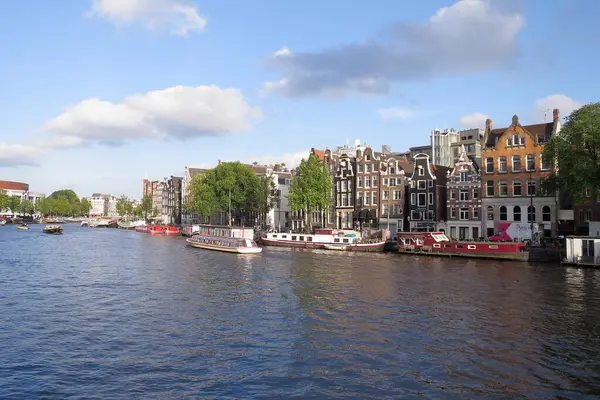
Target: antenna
[{"x": 545, "y": 113}]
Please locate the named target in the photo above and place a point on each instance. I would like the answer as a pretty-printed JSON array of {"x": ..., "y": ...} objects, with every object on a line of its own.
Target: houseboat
[
  {"x": 226, "y": 244},
  {"x": 324, "y": 239},
  {"x": 438, "y": 244},
  {"x": 582, "y": 251},
  {"x": 131, "y": 224},
  {"x": 151, "y": 229},
  {"x": 218, "y": 230}
]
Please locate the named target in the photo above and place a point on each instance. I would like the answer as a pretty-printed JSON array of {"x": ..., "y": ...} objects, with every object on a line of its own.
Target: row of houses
[{"x": 20, "y": 190}]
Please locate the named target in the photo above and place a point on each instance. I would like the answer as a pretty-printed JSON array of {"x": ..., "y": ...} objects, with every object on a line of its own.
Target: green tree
[
  {"x": 155, "y": 211},
  {"x": 13, "y": 204},
  {"x": 146, "y": 206},
  {"x": 575, "y": 153},
  {"x": 64, "y": 202},
  {"x": 3, "y": 200},
  {"x": 27, "y": 207},
  {"x": 311, "y": 188},
  {"x": 123, "y": 205},
  {"x": 85, "y": 206},
  {"x": 200, "y": 198},
  {"x": 137, "y": 211}
]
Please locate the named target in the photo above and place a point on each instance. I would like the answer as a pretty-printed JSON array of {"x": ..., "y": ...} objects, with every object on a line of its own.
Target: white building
[
  {"x": 111, "y": 206},
  {"x": 441, "y": 146},
  {"x": 103, "y": 205},
  {"x": 280, "y": 213},
  {"x": 583, "y": 250}
]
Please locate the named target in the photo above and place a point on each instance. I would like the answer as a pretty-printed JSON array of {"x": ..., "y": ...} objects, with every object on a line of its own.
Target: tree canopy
[
  {"x": 311, "y": 187},
  {"x": 575, "y": 152},
  {"x": 145, "y": 207},
  {"x": 124, "y": 206}
]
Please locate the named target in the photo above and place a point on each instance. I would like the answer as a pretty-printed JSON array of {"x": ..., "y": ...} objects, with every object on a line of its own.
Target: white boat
[
  {"x": 2, "y": 222},
  {"x": 226, "y": 244},
  {"x": 131, "y": 224},
  {"x": 324, "y": 237},
  {"x": 23, "y": 227},
  {"x": 85, "y": 222}
]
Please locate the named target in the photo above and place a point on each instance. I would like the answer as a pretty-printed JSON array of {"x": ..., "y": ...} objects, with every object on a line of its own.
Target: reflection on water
[{"x": 119, "y": 314}]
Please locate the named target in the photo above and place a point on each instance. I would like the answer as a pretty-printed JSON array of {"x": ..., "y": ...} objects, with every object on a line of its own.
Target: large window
[
  {"x": 503, "y": 188},
  {"x": 530, "y": 162},
  {"x": 386, "y": 195},
  {"x": 490, "y": 213},
  {"x": 503, "y": 213},
  {"x": 489, "y": 188},
  {"x": 430, "y": 198},
  {"x": 502, "y": 166},
  {"x": 374, "y": 182},
  {"x": 452, "y": 194},
  {"x": 464, "y": 177},
  {"x": 392, "y": 181},
  {"x": 531, "y": 188},
  {"x": 517, "y": 214},
  {"x": 367, "y": 181},
  {"x": 475, "y": 193},
  {"x": 453, "y": 213},
  {"x": 422, "y": 185},
  {"x": 475, "y": 212},
  {"x": 422, "y": 199},
  {"x": 464, "y": 213},
  {"x": 587, "y": 248},
  {"x": 360, "y": 181},
  {"x": 517, "y": 188},
  {"x": 397, "y": 194},
  {"x": 374, "y": 198},
  {"x": 516, "y": 163},
  {"x": 544, "y": 165},
  {"x": 415, "y": 215},
  {"x": 530, "y": 214},
  {"x": 464, "y": 195},
  {"x": 396, "y": 209},
  {"x": 489, "y": 165},
  {"x": 546, "y": 214}
]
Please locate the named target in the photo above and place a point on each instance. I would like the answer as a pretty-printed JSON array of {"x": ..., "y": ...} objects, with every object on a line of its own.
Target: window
[
  {"x": 374, "y": 182},
  {"x": 359, "y": 168},
  {"x": 516, "y": 163},
  {"x": 413, "y": 198},
  {"x": 489, "y": 165},
  {"x": 587, "y": 193},
  {"x": 397, "y": 194},
  {"x": 422, "y": 200},
  {"x": 430, "y": 215},
  {"x": 530, "y": 214},
  {"x": 522, "y": 139},
  {"x": 517, "y": 188},
  {"x": 360, "y": 180},
  {"x": 392, "y": 182},
  {"x": 422, "y": 185},
  {"x": 396, "y": 209},
  {"x": 502, "y": 165},
  {"x": 374, "y": 198},
  {"x": 464, "y": 177},
  {"x": 530, "y": 162},
  {"x": 475, "y": 193},
  {"x": 464, "y": 213},
  {"x": 368, "y": 157},
  {"x": 509, "y": 142},
  {"x": 430, "y": 183},
  {"x": 384, "y": 209},
  {"x": 392, "y": 170},
  {"x": 368, "y": 168},
  {"x": 544, "y": 164},
  {"x": 531, "y": 188},
  {"x": 490, "y": 213},
  {"x": 421, "y": 171},
  {"x": 475, "y": 215},
  {"x": 360, "y": 199},
  {"x": 489, "y": 188},
  {"x": 367, "y": 181},
  {"x": 587, "y": 248},
  {"x": 588, "y": 215},
  {"x": 546, "y": 214},
  {"x": 503, "y": 185},
  {"x": 452, "y": 194},
  {"x": 415, "y": 215},
  {"x": 464, "y": 195},
  {"x": 503, "y": 213},
  {"x": 386, "y": 195},
  {"x": 453, "y": 212},
  {"x": 376, "y": 167},
  {"x": 430, "y": 198},
  {"x": 517, "y": 214}
]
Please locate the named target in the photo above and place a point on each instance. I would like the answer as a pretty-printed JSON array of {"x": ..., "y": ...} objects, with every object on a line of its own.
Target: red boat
[
  {"x": 151, "y": 229},
  {"x": 438, "y": 244},
  {"x": 171, "y": 230}
]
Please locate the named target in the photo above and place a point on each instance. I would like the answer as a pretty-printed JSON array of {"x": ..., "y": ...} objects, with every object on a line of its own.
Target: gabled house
[
  {"x": 427, "y": 195},
  {"x": 513, "y": 169},
  {"x": 464, "y": 198}
]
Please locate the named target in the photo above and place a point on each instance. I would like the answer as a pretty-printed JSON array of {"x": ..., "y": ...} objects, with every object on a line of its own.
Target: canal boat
[
  {"x": 151, "y": 229},
  {"x": 324, "y": 237},
  {"x": 437, "y": 243},
  {"x": 226, "y": 244},
  {"x": 23, "y": 227},
  {"x": 171, "y": 230},
  {"x": 130, "y": 225},
  {"x": 53, "y": 229}
]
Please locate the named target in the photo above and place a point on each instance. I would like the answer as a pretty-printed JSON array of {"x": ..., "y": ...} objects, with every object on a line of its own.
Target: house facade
[
  {"x": 427, "y": 195},
  {"x": 464, "y": 198},
  {"x": 512, "y": 172},
  {"x": 368, "y": 194},
  {"x": 441, "y": 146},
  {"x": 394, "y": 173},
  {"x": 172, "y": 200}
]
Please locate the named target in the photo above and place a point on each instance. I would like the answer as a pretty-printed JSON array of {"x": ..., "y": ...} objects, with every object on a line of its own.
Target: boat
[
  {"x": 131, "y": 224},
  {"x": 151, "y": 229},
  {"x": 111, "y": 223},
  {"x": 438, "y": 244},
  {"x": 85, "y": 222},
  {"x": 99, "y": 223},
  {"x": 226, "y": 244},
  {"x": 53, "y": 229},
  {"x": 171, "y": 230},
  {"x": 23, "y": 227},
  {"x": 338, "y": 247},
  {"x": 2, "y": 222},
  {"x": 322, "y": 237}
]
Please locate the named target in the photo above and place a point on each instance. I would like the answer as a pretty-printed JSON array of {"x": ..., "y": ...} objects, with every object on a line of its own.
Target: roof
[
  {"x": 542, "y": 131},
  {"x": 195, "y": 171},
  {"x": 9, "y": 185},
  {"x": 320, "y": 154}
]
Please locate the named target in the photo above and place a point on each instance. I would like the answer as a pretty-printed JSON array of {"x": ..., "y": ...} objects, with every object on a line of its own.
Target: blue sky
[{"x": 98, "y": 93}]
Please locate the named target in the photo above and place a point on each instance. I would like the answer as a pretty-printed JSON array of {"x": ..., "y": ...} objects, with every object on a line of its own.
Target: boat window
[
  {"x": 437, "y": 246},
  {"x": 459, "y": 246},
  {"x": 406, "y": 241},
  {"x": 472, "y": 247},
  {"x": 345, "y": 240},
  {"x": 293, "y": 237},
  {"x": 309, "y": 238},
  {"x": 493, "y": 246},
  {"x": 302, "y": 238},
  {"x": 284, "y": 236},
  {"x": 336, "y": 240},
  {"x": 275, "y": 236},
  {"x": 447, "y": 246}
]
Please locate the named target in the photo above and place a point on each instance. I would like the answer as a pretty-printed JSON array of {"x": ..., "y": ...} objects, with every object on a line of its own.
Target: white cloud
[
  {"x": 12, "y": 155},
  {"x": 475, "y": 120},
  {"x": 396, "y": 112},
  {"x": 565, "y": 105},
  {"x": 179, "y": 112},
  {"x": 178, "y": 16},
  {"x": 467, "y": 37}
]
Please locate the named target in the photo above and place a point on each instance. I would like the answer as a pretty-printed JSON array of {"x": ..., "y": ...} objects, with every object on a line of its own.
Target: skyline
[{"x": 100, "y": 93}]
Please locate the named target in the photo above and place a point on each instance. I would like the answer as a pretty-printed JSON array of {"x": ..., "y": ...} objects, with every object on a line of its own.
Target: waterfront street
[{"x": 119, "y": 314}]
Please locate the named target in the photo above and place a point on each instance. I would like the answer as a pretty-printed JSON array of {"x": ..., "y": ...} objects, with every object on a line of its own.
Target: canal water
[{"x": 106, "y": 313}]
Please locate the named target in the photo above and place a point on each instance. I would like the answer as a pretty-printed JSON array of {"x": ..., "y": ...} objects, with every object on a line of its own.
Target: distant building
[
  {"x": 441, "y": 146},
  {"x": 103, "y": 205},
  {"x": 18, "y": 189},
  {"x": 171, "y": 209}
]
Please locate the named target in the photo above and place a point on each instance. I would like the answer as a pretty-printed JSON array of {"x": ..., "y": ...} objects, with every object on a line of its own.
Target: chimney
[
  {"x": 488, "y": 124},
  {"x": 515, "y": 120},
  {"x": 555, "y": 115}
]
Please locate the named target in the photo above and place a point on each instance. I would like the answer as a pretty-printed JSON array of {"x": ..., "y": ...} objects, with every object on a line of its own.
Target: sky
[{"x": 97, "y": 94}]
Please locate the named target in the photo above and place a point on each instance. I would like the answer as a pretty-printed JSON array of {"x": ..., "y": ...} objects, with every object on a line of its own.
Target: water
[{"x": 116, "y": 314}]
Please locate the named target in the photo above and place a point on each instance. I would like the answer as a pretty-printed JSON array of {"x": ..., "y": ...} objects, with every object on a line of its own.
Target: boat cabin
[
  {"x": 320, "y": 236},
  {"x": 221, "y": 231},
  {"x": 583, "y": 250},
  {"x": 223, "y": 241},
  {"x": 439, "y": 242}
]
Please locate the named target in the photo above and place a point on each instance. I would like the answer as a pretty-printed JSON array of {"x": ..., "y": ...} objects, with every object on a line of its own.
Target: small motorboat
[
  {"x": 23, "y": 227},
  {"x": 338, "y": 247},
  {"x": 53, "y": 229}
]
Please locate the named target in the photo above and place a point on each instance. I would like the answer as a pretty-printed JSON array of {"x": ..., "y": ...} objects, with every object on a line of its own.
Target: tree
[
  {"x": 13, "y": 204},
  {"x": 3, "y": 200},
  {"x": 146, "y": 206},
  {"x": 311, "y": 188},
  {"x": 123, "y": 205},
  {"x": 155, "y": 211},
  {"x": 43, "y": 206},
  {"x": 201, "y": 198},
  {"x": 64, "y": 202},
  {"x": 85, "y": 206},
  {"x": 27, "y": 207},
  {"x": 575, "y": 153}
]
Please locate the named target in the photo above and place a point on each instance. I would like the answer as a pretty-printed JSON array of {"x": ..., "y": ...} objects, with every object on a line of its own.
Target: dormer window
[
  {"x": 421, "y": 171},
  {"x": 522, "y": 139},
  {"x": 368, "y": 157}
]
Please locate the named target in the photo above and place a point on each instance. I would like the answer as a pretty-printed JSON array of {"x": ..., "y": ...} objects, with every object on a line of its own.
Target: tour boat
[
  {"x": 226, "y": 244},
  {"x": 171, "y": 230},
  {"x": 131, "y": 224},
  {"x": 23, "y": 227},
  {"x": 437, "y": 243},
  {"x": 53, "y": 229},
  {"x": 151, "y": 229},
  {"x": 321, "y": 238}
]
